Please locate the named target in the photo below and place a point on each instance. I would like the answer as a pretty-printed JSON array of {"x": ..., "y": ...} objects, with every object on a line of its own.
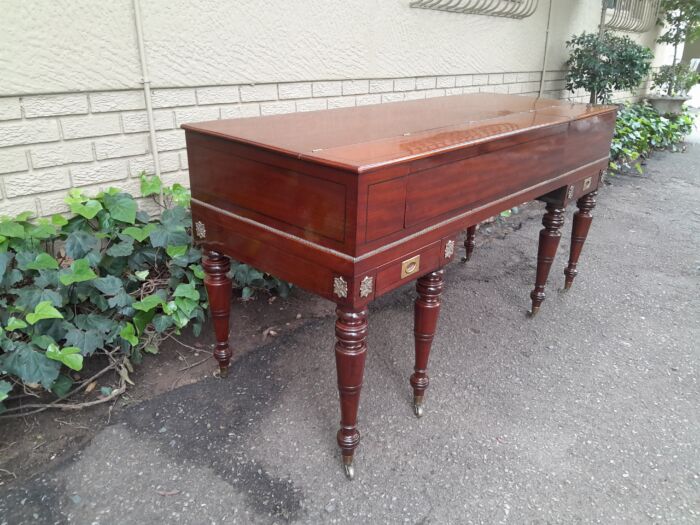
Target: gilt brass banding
[
  {"x": 587, "y": 183},
  {"x": 410, "y": 266}
]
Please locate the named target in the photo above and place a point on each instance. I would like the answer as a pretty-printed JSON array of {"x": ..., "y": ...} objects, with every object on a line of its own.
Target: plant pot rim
[{"x": 659, "y": 96}]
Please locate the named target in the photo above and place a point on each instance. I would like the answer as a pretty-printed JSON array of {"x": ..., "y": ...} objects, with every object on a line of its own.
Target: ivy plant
[
  {"x": 639, "y": 130},
  {"x": 108, "y": 280}
]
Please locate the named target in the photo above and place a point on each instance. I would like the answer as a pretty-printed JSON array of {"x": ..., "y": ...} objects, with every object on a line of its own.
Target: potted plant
[
  {"x": 604, "y": 63},
  {"x": 682, "y": 20}
]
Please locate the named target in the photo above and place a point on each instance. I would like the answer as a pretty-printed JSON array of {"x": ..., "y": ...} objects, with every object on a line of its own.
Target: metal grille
[
  {"x": 504, "y": 8},
  {"x": 636, "y": 16}
]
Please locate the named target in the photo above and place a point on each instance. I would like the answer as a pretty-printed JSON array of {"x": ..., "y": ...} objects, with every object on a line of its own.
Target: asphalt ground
[{"x": 587, "y": 413}]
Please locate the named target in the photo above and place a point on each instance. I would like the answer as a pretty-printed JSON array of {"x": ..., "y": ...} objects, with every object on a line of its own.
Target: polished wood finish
[
  {"x": 352, "y": 203},
  {"x": 469, "y": 243},
  {"x": 218, "y": 285},
  {"x": 427, "y": 310},
  {"x": 579, "y": 232},
  {"x": 350, "y": 353},
  {"x": 550, "y": 235}
]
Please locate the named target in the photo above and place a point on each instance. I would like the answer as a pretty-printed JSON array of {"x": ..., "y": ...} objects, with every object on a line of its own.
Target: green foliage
[
  {"x": 682, "y": 21},
  {"x": 639, "y": 130},
  {"x": 604, "y": 64},
  {"x": 675, "y": 80},
  {"x": 109, "y": 279}
]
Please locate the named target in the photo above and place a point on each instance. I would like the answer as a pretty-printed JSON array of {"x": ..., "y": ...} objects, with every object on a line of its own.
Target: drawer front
[{"x": 415, "y": 264}]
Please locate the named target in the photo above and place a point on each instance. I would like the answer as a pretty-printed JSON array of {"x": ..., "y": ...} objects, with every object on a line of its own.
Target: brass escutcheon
[
  {"x": 410, "y": 266},
  {"x": 587, "y": 183}
]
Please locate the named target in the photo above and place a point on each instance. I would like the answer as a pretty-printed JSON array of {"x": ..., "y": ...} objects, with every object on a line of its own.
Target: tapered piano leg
[
  {"x": 469, "y": 243},
  {"x": 427, "y": 310},
  {"x": 552, "y": 221},
  {"x": 579, "y": 232},
  {"x": 218, "y": 285},
  {"x": 350, "y": 352}
]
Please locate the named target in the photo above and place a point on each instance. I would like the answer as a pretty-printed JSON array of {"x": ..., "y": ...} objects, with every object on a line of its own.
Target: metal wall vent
[{"x": 504, "y": 8}]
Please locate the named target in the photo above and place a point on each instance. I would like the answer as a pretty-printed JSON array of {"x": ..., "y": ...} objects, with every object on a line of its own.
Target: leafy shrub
[
  {"x": 639, "y": 130},
  {"x": 675, "y": 80},
  {"x": 603, "y": 64},
  {"x": 111, "y": 280}
]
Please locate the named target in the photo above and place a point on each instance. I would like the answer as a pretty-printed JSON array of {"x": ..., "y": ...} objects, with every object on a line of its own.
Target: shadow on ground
[{"x": 587, "y": 413}]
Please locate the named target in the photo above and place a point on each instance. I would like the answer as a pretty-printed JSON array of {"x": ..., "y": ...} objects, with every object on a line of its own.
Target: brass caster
[
  {"x": 223, "y": 372},
  {"x": 418, "y": 406},
  {"x": 534, "y": 311},
  {"x": 348, "y": 467},
  {"x": 567, "y": 286},
  {"x": 465, "y": 259}
]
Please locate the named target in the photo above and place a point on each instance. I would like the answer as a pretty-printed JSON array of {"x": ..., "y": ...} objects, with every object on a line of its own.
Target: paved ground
[{"x": 586, "y": 414}]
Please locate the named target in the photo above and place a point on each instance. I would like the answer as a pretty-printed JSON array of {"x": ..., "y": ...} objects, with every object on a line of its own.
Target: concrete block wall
[{"x": 94, "y": 140}]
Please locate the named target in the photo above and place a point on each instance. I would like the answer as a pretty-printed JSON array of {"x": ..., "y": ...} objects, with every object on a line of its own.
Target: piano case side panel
[{"x": 283, "y": 197}]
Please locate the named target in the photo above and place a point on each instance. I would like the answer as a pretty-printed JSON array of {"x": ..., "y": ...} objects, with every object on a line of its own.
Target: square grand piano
[{"x": 352, "y": 203}]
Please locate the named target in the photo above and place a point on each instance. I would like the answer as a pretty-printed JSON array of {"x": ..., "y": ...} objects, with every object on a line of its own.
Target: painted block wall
[{"x": 72, "y": 107}]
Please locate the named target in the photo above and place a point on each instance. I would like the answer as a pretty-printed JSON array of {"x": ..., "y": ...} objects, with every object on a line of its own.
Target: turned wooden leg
[
  {"x": 552, "y": 221},
  {"x": 579, "y": 232},
  {"x": 427, "y": 309},
  {"x": 469, "y": 243},
  {"x": 350, "y": 352},
  {"x": 218, "y": 285}
]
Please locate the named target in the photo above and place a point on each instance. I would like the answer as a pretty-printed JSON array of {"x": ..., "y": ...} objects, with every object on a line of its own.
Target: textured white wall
[
  {"x": 51, "y": 46},
  {"x": 77, "y": 45},
  {"x": 72, "y": 106}
]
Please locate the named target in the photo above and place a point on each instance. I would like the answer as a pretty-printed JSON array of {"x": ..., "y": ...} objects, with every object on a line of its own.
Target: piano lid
[{"x": 367, "y": 137}]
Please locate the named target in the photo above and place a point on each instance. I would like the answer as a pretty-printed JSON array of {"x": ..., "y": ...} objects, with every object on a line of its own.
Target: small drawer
[
  {"x": 583, "y": 186},
  {"x": 409, "y": 267}
]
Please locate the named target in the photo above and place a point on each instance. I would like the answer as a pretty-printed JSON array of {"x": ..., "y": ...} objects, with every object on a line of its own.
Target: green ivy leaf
[
  {"x": 141, "y": 320},
  {"x": 5, "y": 260},
  {"x": 109, "y": 285},
  {"x": 187, "y": 290},
  {"x": 139, "y": 233},
  {"x": 30, "y": 366},
  {"x": 122, "y": 249},
  {"x": 24, "y": 216},
  {"x": 12, "y": 229},
  {"x": 43, "y": 230},
  {"x": 197, "y": 270},
  {"x": 87, "y": 340},
  {"x": 80, "y": 243},
  {"x": 150, "y": 185},
  {"x": 148, "y": 303},
  {"x": 128, "y": 333},
  {"x": 62, "y": 385},
  {"x": 69, "y": 356},
  {"x": 87, "y": 209},
  {"x": 5, "y": 389},
  {"x": 43, "y": 261},
  {"x": 58, "y": 220},
  {"x": 43, "y": 341},
  {"x": 176, "y": 251},
  {"x": 43, "y": 310},
  {"x": 15, "y": 324},
  {"x": 162, "y": 322},
  {"x": 78, "y": 272},
  {"x": 29, "y": 297},
  {"x": 186, "y": 305},
  {"x": 181, "y": 195},
  {"x": 142, "y": 275},
  {"x": 121, "y": 207}
]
